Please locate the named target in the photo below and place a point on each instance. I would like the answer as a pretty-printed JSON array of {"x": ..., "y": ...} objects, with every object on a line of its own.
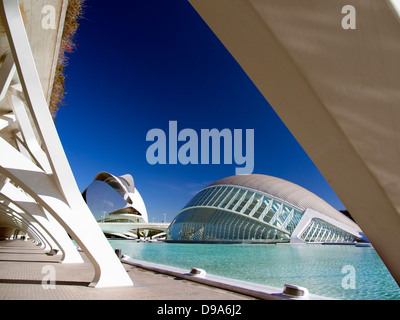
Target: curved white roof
[
  {"x": 125, "y": 186},
  {"x": 288, "y": 192},
  {"x": 125, "y": 181}
]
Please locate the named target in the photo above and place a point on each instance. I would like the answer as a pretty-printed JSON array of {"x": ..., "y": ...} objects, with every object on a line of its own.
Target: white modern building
[
  {"x": 257, "y": 208},
  {"x": 118, "y": 207},
  {"x": 115, "y": 198}
]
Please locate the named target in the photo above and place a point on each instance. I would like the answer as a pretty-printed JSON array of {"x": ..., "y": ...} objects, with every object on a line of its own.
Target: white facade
[
  {"x": 118, "y": 207},
  {"x": 109, "y": 194}
]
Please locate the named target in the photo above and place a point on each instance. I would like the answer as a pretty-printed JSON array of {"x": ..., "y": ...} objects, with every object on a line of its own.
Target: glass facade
[
  {"x": 228, "y": 213},
  {"x": 107, "y": 203},
  {"x": 232, "y": 213},
  {"x": 323, "y": 232},
  {"x": 208, "y": 225}
]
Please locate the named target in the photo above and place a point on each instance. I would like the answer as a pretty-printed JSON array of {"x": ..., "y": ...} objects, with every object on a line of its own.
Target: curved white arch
[{"x": 124, "y": 185}]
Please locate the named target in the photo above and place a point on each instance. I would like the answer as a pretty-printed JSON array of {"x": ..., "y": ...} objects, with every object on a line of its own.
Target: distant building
[
  {"x": 115, "y": 199},
  {"x": 119, "y": 208},
  {"x": 260, "y": 208}
]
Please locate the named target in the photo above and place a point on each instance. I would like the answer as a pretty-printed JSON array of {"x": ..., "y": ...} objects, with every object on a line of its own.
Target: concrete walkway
[{"x": 24, "y": 266}]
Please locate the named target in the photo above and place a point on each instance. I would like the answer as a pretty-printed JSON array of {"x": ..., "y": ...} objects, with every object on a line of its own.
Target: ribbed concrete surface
[{"x": 22, "y": 262}]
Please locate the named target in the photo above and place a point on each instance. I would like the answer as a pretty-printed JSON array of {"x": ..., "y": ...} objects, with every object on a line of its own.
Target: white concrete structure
[
  {"x": 337, "y": 89},
  {"x": 112, "y": 195},
  {"x": 38, "y": 193},
  {"x": 118, "y": 207},
  {"x": 131, "y": 230}
]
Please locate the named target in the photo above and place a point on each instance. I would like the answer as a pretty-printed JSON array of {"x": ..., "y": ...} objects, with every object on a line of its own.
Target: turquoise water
[{"x": 316, "y": 267}]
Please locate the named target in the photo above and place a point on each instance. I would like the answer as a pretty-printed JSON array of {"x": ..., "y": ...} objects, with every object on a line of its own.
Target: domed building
[
  {"x": 115, "y": 202},
  {"x": 257, "y": 208}
]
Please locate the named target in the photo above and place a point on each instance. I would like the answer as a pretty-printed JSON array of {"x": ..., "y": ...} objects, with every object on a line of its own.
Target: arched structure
[
  {"x": 261, "y": 208},
  {"x": 115, "y": 200},
  {"x": 337, "y": 91},
  {"x": 39, "y": 197}
]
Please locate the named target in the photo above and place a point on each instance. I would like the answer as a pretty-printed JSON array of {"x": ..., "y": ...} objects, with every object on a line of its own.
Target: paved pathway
[{"x": 23, "y": 267}]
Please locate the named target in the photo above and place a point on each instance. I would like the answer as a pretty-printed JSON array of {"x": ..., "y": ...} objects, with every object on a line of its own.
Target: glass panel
[
  {"x": 269, "y": 216},
  {"x": 322, "y": 231},
  {"x": 201, "y": 197},
  {"x": 241, "y": 201},
  {"x": 285, "y": 213},
  {"x": 221, "y": 197},
  {"x": 213, "y": 196},
  {"x": 207, "y": 196},
  {"x": 256, "y": 198},
  {"x": 247, "y": 198},
  {"x": 102, "y": 199},
  {"x": 261, "y": 209},
  {"x": 228, "y": 196},
  {"x": 195, "y": 199},
  {"x": 234, "y": 202}
]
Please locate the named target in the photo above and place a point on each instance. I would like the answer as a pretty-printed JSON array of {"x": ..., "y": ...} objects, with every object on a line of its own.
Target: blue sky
[{"x": 139, "y": 65}]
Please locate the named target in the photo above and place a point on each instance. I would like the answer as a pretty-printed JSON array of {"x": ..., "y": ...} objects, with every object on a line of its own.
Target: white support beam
[
  {"x": 50, "y": 182},
  {"x": 257, "y": 206},
  {"x": 288, "y": 219},
  {"x": 6, "y": 120},
  {"x": 266, "y": 210},
  {"x": 233, "y": 198},
  {"x": 240, "y": 200},
  {"x": 27, "y": 132},
  {"x": 336, "y": 90},
  {"x": 7, "y": 72},
  {"x": 52, "y": 227},
  {"x": 248, "y": 203}
]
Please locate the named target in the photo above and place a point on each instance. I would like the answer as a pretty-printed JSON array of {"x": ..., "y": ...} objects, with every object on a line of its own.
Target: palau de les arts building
[
  {"x": 257, "y": 208},
  {"x": 115, "y": 201}
]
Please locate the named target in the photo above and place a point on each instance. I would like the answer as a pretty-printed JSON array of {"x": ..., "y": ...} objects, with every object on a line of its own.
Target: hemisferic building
[{"x": 257, "y": 208}]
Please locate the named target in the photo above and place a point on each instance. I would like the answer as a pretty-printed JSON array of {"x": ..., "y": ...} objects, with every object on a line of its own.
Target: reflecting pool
[{"x": 336, "y": 271}]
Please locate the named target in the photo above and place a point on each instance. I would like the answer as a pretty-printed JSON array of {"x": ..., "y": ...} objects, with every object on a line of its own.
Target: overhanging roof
[
  {"x": 45, "y": 43},
  {"x": 337, "y": 91}
]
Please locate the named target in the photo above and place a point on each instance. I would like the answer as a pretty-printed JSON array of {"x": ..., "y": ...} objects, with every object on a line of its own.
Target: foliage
[{"x": 71, "y": 24}]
